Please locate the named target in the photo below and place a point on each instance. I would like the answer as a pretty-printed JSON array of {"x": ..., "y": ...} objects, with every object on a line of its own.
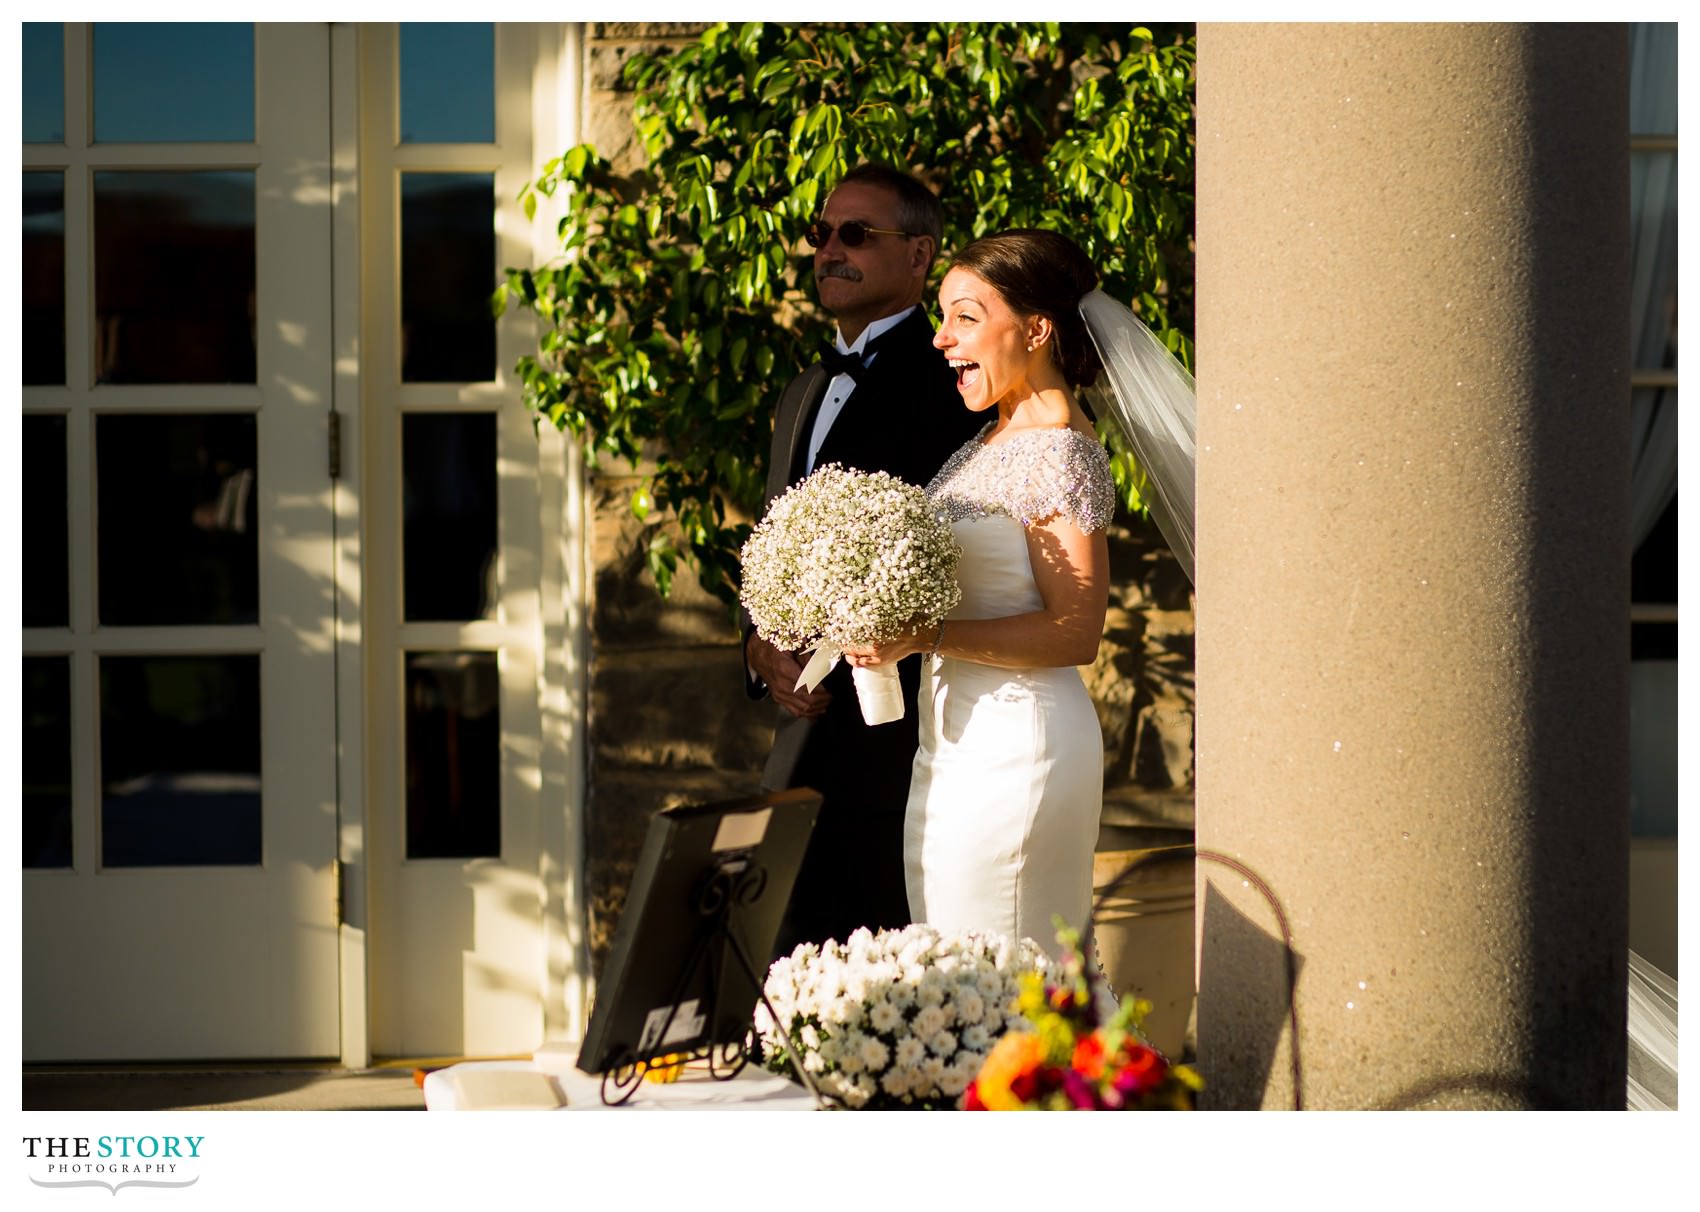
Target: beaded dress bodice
[
  {"x": 1029, "y": 476},
  {"x": 991, "y": 494}
]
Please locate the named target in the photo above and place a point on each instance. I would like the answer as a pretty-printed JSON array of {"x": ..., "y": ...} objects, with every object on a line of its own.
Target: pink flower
[{"x": 1079, "y": 1091}]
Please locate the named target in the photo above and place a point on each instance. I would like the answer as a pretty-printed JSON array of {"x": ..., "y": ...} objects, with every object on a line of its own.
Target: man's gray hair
[{"x": 918, "y": 209}]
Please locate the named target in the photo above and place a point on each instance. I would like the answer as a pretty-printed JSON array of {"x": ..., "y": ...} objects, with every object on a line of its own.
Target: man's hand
[{"x": 780, "y": 670}]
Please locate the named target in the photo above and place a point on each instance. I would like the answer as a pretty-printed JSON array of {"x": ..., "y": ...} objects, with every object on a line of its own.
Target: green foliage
[{"x": 683, "y": 298}]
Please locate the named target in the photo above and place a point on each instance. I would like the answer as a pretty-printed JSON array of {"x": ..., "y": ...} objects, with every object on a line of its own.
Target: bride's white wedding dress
[{"x": 1003, "y": 805}]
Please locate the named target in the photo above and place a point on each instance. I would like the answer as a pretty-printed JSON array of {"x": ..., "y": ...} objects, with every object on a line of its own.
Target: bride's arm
[{"x": 1072, "y": 571}]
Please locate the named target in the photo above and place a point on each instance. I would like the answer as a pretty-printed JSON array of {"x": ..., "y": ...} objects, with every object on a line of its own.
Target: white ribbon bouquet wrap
[{"x": 849, "y": 557}]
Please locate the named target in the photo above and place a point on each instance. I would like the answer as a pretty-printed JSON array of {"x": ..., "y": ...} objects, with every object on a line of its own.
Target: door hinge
[
  {"x": 336, "y": 890},
  {"x": 336, "y": 445}
]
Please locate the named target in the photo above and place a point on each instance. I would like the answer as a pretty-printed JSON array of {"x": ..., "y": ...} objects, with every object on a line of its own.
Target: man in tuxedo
[{"x": 881, "y": 398}]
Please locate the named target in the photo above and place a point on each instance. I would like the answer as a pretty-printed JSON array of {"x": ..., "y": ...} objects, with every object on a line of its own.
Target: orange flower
[
  {"x": 664, "y": 1068},
  {"x": 1011, "y": 1061},
  {"x": 1088, "y": 1059}
]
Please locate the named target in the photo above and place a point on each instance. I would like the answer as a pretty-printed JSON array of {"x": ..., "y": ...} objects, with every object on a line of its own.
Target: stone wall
[
  {"x": 669, "y": 720},
  {"x": 608, "y": 103},
  {"x": 1142, "y": 681}
]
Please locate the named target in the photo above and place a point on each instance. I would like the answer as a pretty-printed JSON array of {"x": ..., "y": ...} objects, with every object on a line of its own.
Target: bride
[
  {"x": 1007, "y": 785},
  {"x": 1002, "y": 816}
]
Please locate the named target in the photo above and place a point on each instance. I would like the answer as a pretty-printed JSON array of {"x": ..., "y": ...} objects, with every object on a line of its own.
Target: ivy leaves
[{"x": 682, "y": 297}]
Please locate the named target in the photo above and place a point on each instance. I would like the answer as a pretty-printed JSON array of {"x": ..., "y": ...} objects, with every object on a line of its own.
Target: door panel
[
  {"x": 195, "y": 916},
  {"x": 458, "y": 955}
]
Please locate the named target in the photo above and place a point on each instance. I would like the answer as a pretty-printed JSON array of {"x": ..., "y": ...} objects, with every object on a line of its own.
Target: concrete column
[{"x": 1413, "y": 481}]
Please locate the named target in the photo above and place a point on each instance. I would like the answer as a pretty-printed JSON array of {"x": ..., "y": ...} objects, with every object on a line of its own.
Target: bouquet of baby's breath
[
  {"x": 902, "y": 1019},
  {"x": 849, "y": 557}
]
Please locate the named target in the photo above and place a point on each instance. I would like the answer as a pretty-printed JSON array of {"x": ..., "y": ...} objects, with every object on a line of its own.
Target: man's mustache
[{"x": 839, "y": 269}]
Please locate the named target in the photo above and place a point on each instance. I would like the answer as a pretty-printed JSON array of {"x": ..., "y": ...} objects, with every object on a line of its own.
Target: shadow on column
[{"x": 1245, "y": 984}]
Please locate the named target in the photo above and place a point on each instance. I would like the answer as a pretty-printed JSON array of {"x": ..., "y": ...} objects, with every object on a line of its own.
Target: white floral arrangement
[
  {"x": 849, "y": 557},
  {"x": 899, "y": 1020}
]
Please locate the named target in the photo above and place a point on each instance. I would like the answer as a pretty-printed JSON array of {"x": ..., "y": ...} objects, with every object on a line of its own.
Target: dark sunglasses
[{"x": 850, "y": 234}]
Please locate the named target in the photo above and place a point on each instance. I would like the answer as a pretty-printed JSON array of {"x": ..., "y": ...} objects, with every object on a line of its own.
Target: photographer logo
[{"x": 113, "y": 1162}]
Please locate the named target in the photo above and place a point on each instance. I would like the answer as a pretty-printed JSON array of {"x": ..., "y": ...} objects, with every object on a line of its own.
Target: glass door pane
[
  {"x": 44, "y": 82},
  {"x": 174, "y": 277},
  {"x": 173, "y": 82},
  {"x": 180, "y": 761},
  {"x": 454, "y": 755},
  {"x": 448, "y": 270},
  {"x": 47, "y": 567},
  {"x": 178, "y": 519},
  {"x": 448, "y": 82},
  {"x": 448, "y": 525},
  {"x": 44, "y": 278},
  {"x": 46, "y": 760}
]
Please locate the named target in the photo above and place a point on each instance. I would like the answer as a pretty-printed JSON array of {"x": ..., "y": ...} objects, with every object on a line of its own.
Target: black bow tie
[{"x": 835, "y": 363}]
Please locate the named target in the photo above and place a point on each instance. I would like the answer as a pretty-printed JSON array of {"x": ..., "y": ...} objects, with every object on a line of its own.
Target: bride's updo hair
[{"x": 1041, "y": 273}]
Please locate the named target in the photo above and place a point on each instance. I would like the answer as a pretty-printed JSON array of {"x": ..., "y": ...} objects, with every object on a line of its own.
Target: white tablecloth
[{"x": 752, "y": 1090}]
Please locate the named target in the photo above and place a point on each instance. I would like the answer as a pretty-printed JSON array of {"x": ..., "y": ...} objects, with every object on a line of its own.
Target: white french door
[
  {"x": 180, "y": 885},
  {"x": 466, "y": 838},
  {"x": 302, "y": 747}
]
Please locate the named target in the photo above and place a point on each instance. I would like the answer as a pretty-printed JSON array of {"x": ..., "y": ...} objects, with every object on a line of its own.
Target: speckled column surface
[{"x": 1413, "y": 486}]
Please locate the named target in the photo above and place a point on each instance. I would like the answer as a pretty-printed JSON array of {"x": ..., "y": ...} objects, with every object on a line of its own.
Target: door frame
[{"x": 347, "y": 547}]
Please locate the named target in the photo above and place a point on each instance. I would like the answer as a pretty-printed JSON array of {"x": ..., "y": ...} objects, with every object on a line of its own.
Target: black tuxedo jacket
[{"x": 904, "y": 417}]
